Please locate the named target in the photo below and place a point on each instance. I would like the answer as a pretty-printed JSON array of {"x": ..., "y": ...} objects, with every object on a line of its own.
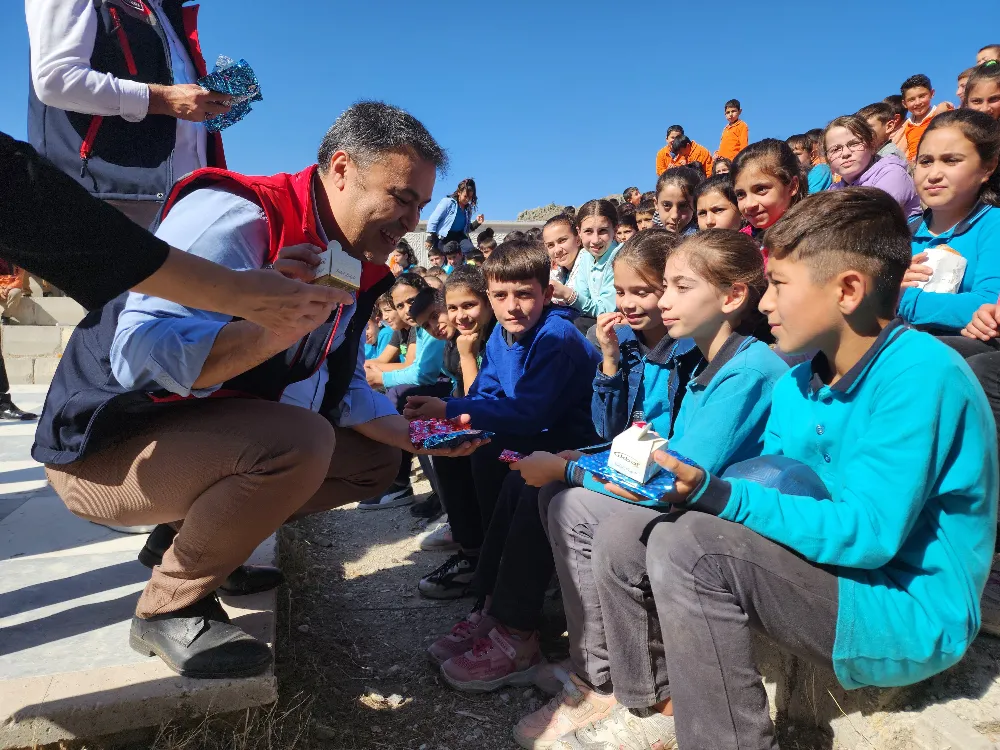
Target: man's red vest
[{"x": 287, "y": 201}]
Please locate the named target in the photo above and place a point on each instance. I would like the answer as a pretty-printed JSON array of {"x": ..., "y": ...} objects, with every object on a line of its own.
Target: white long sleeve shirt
[{"x": 62, "y": 35}]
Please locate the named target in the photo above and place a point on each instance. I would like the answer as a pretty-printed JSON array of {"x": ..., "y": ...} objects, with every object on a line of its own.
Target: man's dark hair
[
  {"x": 861, "y": 229},
  {"x": 369, "y": 129},
  {"x": 735, "y": 103},
  {"x": 919, "y": 81},
  {"x": 521, "y": 259}
]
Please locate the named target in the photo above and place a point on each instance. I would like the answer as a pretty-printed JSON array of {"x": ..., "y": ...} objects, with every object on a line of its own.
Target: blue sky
[{"x": 557, "y": 101}]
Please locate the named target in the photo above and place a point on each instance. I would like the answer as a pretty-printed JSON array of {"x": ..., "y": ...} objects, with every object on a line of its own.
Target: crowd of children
[{"x": 781, "y": 313}]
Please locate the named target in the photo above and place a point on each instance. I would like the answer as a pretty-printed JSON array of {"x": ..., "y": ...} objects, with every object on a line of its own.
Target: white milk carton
[
  {"x": 338, "y": 269},
  {"x": 949, "y": 269},
  {"x": 632, "y": 452}
]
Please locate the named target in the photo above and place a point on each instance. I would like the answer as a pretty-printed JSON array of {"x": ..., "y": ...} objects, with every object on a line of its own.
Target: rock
[
  {"x": 394, "y": 670},
  {"x": 504, "y": 697},
  {"x": 528, "y": 693},
  {"x": 325, "y": 733},
  {"x": 303, "y": 628}
]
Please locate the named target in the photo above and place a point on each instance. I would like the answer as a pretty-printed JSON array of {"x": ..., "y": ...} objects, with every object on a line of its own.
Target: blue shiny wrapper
[
  {"x": 238, "y": 80},
  {"x": 454, "y": 439},
  {"x": 659, "y": 485}
]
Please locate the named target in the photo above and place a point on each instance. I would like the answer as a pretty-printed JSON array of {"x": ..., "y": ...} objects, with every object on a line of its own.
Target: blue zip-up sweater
[
  {"x": 426, "y": 366},
  {"x": 542, "y": 381},
  {"x": 595, "y": 282},
  {"x": 444, "y": 216},
  {"x": 724, "y": 411},
  {"x": 977, "y": 239},
  {"x": 646, "y": 384},
  {"x": 911, "y": 525}
]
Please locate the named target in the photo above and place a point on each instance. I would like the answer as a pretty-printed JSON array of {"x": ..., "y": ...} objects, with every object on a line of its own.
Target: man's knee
[{"x": 385, "y": 461}]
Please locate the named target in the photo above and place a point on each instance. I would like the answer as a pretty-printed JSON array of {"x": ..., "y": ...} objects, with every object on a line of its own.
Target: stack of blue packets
[
  {"x": 238, "y": 80},
  {"x": 659, "y": 484}
]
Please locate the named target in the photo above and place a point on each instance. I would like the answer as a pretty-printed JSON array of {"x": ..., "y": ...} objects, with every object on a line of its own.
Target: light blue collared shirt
[{"x": 160, "y": 344}]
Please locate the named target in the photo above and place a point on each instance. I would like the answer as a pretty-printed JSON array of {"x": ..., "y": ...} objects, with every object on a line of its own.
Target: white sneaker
[
  {"x": 439, "y": 540},
  {"x": 623, "y": 730}
]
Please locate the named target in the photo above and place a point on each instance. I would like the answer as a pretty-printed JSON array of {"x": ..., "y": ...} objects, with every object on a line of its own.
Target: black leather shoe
[
  {"x": 245, "y": 580},
  {"x": 11, "y": 413},
  {"x": 199, "y": 641}
]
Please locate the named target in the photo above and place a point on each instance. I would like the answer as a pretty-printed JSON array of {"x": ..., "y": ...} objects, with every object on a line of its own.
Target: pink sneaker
[
  {"x": 576, "y": 707},
  {"x": 462, "y": 636},
  {"x": 495, "y": 661}
]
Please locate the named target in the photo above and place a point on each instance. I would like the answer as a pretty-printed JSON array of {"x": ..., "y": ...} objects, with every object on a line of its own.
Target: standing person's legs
[
  {"x": 714, "y": 581},
  {"x": 8, "y": 411}
]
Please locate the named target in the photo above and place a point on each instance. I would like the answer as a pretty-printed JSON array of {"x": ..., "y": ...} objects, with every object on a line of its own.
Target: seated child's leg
[
  {"x": 526, "y": 566},
  {"x": 458, "y": 495},
  {"x": 986, "y": 368},
  {"x": 713, "y": 581},
  {"x": 628, "y": 613},
  {"x": 495, "y": 541},
  {"x": 571, "y": 516}
]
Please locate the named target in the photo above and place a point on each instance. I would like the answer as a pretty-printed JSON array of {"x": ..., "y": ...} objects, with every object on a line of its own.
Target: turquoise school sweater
[
  {"x": 723, "y": 414},
  {"x": 977, "y": 239},
  {"x": 906, "y": 444}
]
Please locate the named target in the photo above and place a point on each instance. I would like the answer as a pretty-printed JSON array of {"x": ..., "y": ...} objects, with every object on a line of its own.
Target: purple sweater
[{"x": 888, "y": 173}]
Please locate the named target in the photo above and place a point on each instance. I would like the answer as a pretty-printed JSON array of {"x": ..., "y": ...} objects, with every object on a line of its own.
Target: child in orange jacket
[
  {"x": 736, "y": 134},
  {"x": 681, "y": 151}
]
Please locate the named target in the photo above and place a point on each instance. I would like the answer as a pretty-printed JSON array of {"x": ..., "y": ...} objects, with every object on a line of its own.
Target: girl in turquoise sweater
[
  {"x": 957, "y": 178},
  {"x": 712, "y": 285}
]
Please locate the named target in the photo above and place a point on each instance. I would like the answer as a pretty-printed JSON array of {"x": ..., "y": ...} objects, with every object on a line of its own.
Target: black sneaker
[
  {"x": 9, "y": 412},
  {"x": 394, "y": 497},
  {"x": 452, "y": 580},
  {"x": 429, "y": 508}
]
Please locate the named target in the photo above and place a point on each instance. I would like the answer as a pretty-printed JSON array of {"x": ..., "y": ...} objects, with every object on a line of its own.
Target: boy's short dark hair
[
  {"x": 628, "y": 220},
  {"x": 676, "y": 129},
  {"x": 989, "y": 46},
  {"x": 451, "y": 248},
  {"x": 520, "y": 259},
  {"x": 476, "y": 256},
  {"x": 436, "y": 250},
  {"x": 385, "y": 300},
  {"x": 967, "y": 72},
  {"x": 919, "y": 81},
  {"x": 896, "y": 102},
  {"x": 855, "y": 228},
  {"x": 487, "y": 243},
  {"x": 881, "y": 111},
  {"x": 649, "y": 195},
  {"x": 436, "y": 271},
  {"x": 646, "y": 208},
  {"x": 733, "y": 103},
  {"x": 625, "y": 209},
  {"x": 628, "y": 192}
]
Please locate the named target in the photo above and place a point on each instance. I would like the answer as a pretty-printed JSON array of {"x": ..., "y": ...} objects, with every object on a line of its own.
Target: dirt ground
[{"x": 353, "y": 634}]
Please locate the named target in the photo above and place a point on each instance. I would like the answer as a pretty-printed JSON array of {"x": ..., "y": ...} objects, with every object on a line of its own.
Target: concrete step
[
  {"x": 31, "y": 353},
  {"x": 47, "y": 311}
]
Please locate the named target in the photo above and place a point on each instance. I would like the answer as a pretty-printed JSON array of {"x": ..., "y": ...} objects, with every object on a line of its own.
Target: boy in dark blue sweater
[{"x": 534, "y": 391}]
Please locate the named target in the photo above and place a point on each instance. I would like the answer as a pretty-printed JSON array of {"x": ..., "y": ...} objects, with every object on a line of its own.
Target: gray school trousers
[{"x": 613, "y": 635}]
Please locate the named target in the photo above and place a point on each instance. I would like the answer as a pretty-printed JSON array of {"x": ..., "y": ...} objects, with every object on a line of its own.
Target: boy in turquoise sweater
[{"x": 882, "y": 581}]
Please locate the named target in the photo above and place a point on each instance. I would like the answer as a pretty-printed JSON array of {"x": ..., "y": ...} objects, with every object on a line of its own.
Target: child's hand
[
  {"x": 917, "y": 272},
  {"x": 561, "y": 291},
  {"x": 983, "y": 325},
  {"x": 467, "y": 343},
  {"x": 373, "y": 374},
  {"x": 688, "y": 478},
  {"x": 540, "y": 468},
  {"x": 608, "y": 340},
  {"x": 425, "y": 407}
]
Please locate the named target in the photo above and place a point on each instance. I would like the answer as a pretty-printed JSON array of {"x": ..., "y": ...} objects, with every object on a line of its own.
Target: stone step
[
  {"x": 46, "y": 311},
  {"x": 31, "y": 353}
]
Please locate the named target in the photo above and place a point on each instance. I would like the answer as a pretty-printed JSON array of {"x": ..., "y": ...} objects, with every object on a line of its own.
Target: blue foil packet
[
  {"x": 454, "y": 439},
  {"x": 659, "y": 485},
  {"x": 239, "y": 82}
]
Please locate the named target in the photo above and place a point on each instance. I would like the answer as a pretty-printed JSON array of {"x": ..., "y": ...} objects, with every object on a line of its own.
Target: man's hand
[
  {"x": 283, "y": 306},
  {"x": 983, "y": 325},
  {"x": 425, "y": 407},
  {"x": 688, "y": 478},
  {"x": 540, "y": 468},
  {"x": 458, "y": 451},
  {"x": 480, "y": 219},
  {"x": 917, "y": 271},
  {"x": 187, "y": 101}
]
